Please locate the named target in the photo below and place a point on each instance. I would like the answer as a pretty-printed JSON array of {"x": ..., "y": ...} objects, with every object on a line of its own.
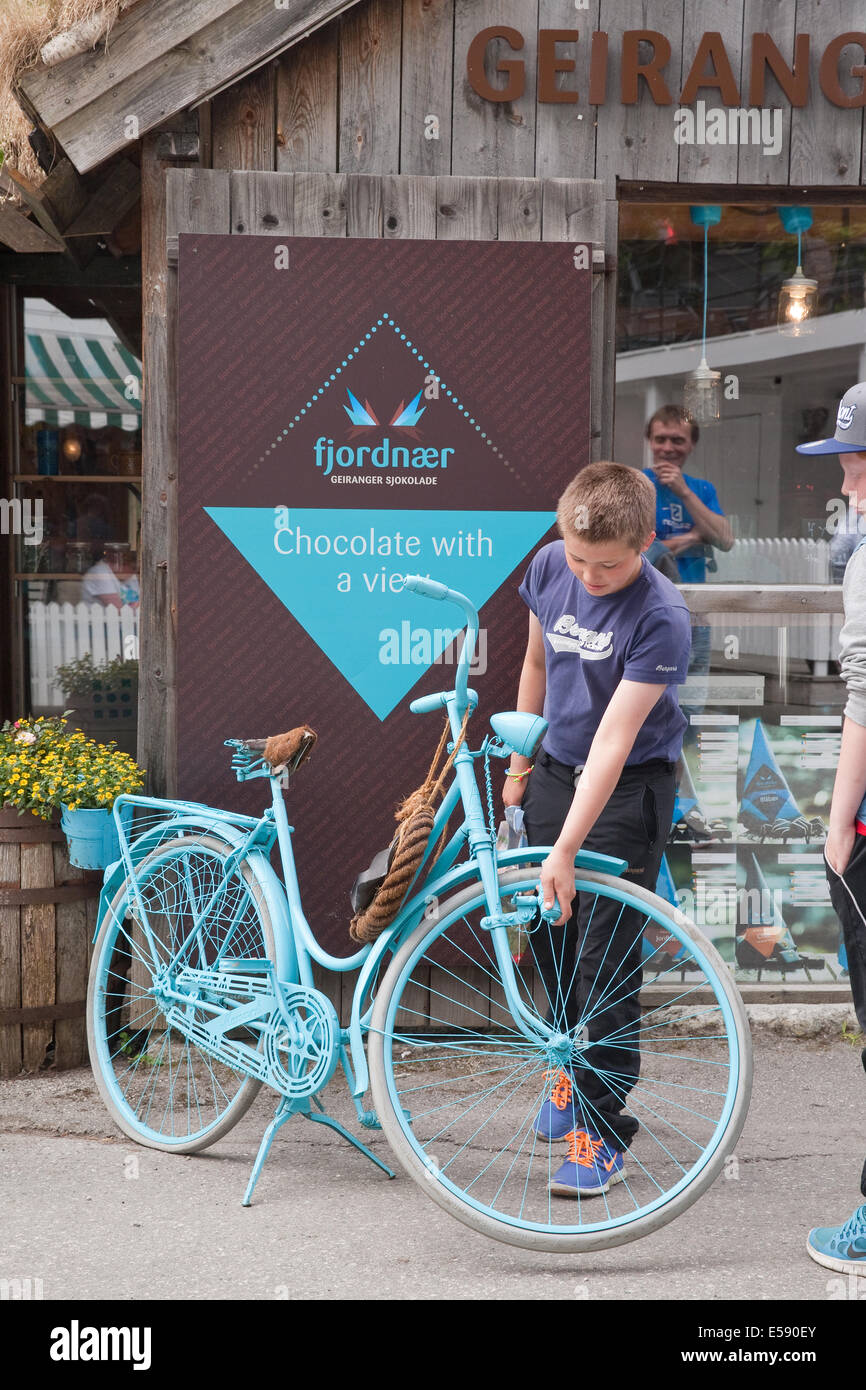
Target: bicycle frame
[
  {"x": 296, "y": 945},
  {"x": 184, "y": 1032}
]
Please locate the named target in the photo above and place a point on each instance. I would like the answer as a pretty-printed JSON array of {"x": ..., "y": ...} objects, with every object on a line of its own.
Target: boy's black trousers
[
  {"x": 848, "y": 895},
  {"x": 585, "y": 972}
]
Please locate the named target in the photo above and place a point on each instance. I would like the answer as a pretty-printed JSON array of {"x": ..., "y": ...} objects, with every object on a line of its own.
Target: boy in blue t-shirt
[{"x": 609, "y": 639}]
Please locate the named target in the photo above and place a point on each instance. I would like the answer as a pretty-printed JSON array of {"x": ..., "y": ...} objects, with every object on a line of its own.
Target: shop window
[
  {"x": 78, "y": 480},
  {"x": 789, "y": 519},
  {"x": 764, "y": 698}
]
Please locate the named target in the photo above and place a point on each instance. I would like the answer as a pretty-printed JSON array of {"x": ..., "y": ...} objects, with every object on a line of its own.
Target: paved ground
[{"x": 92, "y": 1216}]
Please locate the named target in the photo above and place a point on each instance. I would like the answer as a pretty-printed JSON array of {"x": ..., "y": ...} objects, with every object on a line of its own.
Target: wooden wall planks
[
  {"x": 711, "y": 163},
  {"x": 243, "y": 127},
  {"x": 37, "y": 953},
  {"x": 518, "y": 210},
  {"x": 262, "y": 204},
  {"x": 364, "y": 206},
  {"x": 565, "y": 132},
  {"x": 306, "y": 102},
  {"x": 320, "y": 204},
  {"x": 426, "y": 86},
  {"x": 409, "y": 207},
  {"x": 637, "y": 141},
  {"x": 370, "y": 59},
  {"x": 494, "y": 138},
  {"x": 356, "y": 96},
  {"x": 173, "y": 201},
  {"x": 826, "y": 140},
  {"x": 74, "y": 930},
  {"x": 573, "y": 210},
  {"x": 466, "y": 209},
  {"x": 356, "y": 93},
  {"x": 10, "y": 961},
  {"x": 776, "y": 17}
]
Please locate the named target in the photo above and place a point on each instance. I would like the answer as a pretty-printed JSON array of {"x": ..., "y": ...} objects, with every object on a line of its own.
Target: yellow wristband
[{"x": 519, "y": 776}]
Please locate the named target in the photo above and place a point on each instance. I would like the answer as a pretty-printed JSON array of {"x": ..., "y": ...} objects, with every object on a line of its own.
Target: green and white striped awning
[{"x": 82, "y": 377}]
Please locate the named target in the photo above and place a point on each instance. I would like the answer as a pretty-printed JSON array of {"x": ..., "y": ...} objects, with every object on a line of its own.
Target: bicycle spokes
[{"x": 650, "y": 1068}]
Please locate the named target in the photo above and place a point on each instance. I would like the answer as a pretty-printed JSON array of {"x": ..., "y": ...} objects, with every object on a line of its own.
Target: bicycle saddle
[{"x": 285, "y": 752}]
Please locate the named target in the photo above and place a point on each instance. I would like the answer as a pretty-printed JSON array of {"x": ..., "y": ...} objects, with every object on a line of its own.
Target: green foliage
[
  {"x": 853, "y": 1036},
  {"x": 44, "y": 765},
  {"x": 81, "y": 677}
]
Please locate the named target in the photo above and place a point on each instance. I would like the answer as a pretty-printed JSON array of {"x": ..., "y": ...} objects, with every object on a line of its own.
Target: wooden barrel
[{"x": 47, "y": 917}]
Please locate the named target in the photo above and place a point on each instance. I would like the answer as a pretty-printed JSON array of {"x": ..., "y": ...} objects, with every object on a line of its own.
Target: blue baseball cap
[{"x": 850, "y": 436}]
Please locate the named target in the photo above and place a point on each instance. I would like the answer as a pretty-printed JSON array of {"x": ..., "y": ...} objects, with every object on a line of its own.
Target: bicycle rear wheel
[
  {"x": 458, "y": 1086},
  {"x": 161, "y": 1089}
]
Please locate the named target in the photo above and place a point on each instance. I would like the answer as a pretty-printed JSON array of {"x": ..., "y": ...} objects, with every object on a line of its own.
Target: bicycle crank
[{"x": 302, "y": 1041}]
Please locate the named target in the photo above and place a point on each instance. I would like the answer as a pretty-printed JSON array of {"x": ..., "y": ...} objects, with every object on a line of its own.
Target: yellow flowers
[{"x": 44, "y": 766}]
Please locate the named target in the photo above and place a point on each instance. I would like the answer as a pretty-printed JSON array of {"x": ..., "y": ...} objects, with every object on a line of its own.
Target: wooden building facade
[
  {"x": 437, "y": 119},
  {"x": 510, "y": 120}
]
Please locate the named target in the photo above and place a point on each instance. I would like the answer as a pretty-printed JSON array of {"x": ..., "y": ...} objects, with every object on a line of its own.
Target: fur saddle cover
[{"x": 286, "y": 752}]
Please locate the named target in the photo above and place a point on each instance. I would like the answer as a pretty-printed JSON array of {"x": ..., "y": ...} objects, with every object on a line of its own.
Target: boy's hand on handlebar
[{"x": 557, "y": 882}]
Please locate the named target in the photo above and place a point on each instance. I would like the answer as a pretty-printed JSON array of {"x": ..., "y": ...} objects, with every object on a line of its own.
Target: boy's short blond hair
[{"x": 608, "y": 502}]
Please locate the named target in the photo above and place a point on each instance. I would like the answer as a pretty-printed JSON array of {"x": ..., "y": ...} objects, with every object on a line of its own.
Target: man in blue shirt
[
  {"x": 688, "y": 518},
  {"x": 688, "y": 514}
]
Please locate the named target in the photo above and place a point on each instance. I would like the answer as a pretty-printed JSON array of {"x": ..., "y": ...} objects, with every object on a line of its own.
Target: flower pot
[{"x": 92, "y": 838}]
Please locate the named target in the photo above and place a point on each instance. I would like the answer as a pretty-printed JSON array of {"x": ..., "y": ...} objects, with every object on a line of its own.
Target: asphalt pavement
[{"x": 89, "y": 1215}]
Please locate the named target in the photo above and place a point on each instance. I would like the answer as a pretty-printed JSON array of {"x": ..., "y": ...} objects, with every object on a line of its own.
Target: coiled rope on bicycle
[{"x": 415, "y": 816}]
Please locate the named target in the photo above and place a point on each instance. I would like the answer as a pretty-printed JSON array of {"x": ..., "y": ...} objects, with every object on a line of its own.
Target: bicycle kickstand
[{"x": 284, "y": 1111}]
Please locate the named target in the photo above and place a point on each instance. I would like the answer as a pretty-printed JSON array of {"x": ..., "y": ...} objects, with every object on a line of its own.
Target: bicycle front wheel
[
  {"x": 161, "y": 1089},
  {"x": 459, "y": 1087}
]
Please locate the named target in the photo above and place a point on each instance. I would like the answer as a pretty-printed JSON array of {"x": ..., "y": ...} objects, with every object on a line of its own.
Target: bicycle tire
[
  {"x": 160, "y": 1089},
  {"x": 427, "y": 1054}
]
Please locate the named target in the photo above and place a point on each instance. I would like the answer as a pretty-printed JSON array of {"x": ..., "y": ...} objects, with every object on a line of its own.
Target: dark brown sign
[{"x": 352, "y": 411}]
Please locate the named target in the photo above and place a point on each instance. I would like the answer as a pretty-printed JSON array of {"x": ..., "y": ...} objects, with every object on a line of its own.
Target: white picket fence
[
  {"x": 61, "y": 632},
  {"x": 813, "y": 637},
  {"x": 772, "y": 561}
]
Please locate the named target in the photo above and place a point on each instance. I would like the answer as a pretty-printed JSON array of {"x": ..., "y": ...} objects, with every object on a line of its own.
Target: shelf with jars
[
  {"x": 88, "y": 525},
  {"x": 78, "y": 453}
]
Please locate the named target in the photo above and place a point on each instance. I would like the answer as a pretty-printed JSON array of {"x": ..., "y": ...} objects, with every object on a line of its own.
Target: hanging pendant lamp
[
  {"x": 702, "y": 387},
  {"x": 798, "y": 296}
]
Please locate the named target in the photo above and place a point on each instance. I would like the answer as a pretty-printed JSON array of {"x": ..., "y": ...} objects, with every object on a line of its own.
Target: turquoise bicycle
[{"x": 201, "y": 991}]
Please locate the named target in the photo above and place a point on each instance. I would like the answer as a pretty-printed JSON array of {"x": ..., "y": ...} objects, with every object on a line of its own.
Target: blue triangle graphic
[
  {"x": 381, "y": 639},
  {"x": 766, "y": 794}
]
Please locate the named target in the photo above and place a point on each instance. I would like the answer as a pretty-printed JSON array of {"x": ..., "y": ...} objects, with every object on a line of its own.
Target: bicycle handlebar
[
  {"x": 428, "y": 588},
  {"x": 432, "y": 588}
]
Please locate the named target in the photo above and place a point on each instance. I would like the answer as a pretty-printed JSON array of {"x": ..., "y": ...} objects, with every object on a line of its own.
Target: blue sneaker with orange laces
[
  {"x": 592, "y": 1166},
  {"x": 557, "y": 1116},
  {"x": 841, "y": 1247}
]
